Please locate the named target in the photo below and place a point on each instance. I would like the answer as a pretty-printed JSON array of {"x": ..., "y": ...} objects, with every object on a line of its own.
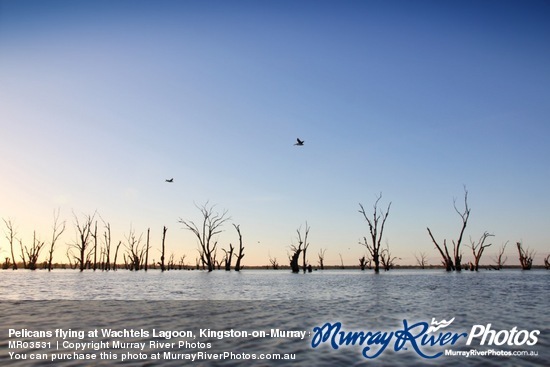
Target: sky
[{"x": 101, "y": 101}]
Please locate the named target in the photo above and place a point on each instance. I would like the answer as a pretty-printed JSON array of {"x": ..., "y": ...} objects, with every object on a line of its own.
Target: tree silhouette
[
  {"x": 376, "y": 229},
  {"x": 205, "y": 233},
  {"x": 447, "y": 260}
]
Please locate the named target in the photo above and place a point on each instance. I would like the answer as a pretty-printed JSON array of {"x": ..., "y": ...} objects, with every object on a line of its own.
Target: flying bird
[
  {"x": 170, "y": 180},
  {"x": 299, "y": 142}
]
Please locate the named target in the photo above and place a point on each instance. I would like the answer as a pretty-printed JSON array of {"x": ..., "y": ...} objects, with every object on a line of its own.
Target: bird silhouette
[
  {"x": 299, "y": 142},
  {"x": 170, "y": 180}
]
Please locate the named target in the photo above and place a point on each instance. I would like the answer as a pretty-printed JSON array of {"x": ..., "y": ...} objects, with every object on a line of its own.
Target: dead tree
[
  {"x": 94, "y": 236},
  {"x": 107, "y": 244},
  {"x": 421, "y": 259},
  {"x": 499, "y": 259},
  {"x": 23, "y": 256},
  {"x": 10, "y": 236},
  {"x": 210, "y": 227},
  {"x": 321, "y": 256},
  {"x": 116, "y": 254},
  {"x": 447, "y": 260},
  {"x": 341, "y": 262},
  {"x": 58, "y": 229},
  {"x": 182, "y": 262},
  {"x": 161, "y": 263},
  {"x": 525, "y": 257},
  {"x": 33, "y": 252},
  {"x": 305, "y": 243},
  {"x": 295, "y": 257},
  {"x": 82, "y": 244},
  {"x": 363, "y": 262},
  {"x": 273, "y": 262},
  {"x": 240, "y": 255},
  {"x": 171, "y": 265},
  {"x": 228, "y": 257},
  {"x": 546, "y": 262},
  {"x": 135, "y": 250},
  {"x": 376, "y": 229},
  {"x": 386, "y": 259},
  {"x": 478, "y": 248},
  {"x": 147, "y": 251},
  {"x": 7, "y": 263}
]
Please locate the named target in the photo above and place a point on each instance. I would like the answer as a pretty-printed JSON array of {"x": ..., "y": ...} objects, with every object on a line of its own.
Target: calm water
[{"x": 265, "y": 299}]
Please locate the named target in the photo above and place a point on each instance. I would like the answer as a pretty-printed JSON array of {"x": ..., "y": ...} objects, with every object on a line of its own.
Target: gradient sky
[{"x": 101, "y": 101}]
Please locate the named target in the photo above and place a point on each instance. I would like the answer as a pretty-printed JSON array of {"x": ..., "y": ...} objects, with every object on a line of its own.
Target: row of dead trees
[
  {"x": 453, "y": 261},
  {"x": 93, "y": 251},
  {"x": 379, "y": 257}
]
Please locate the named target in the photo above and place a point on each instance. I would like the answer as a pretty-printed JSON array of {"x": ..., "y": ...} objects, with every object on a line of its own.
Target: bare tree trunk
[
  {"x": 211, "y": 226},
  {"x": 306, "y": 245},
  {"x": 362, "y": 263},
  {"x": 228, "y": 257},
  {"x": 107, "y": 239},
  {"x": 274, "y": 263},
  {"x": 525, "y": 257},
  {"x": 447, "y": 260},
  {"x": 478, "y": 248},
  {"x": 34, "y": 252},
  {"x": 161, "y": 263},
  {"x": 376, "y": 237},
  {"x": 58, "y": 229},
  {"x": 386, "y": 259},
  {"x": 94, "y": 236},
  {"x": 421, "y": 260},
  {"x": 116, "y": 253},
  {"x": 135, "y": 251},
  {"x": 147, "y": 250},
  {"x": 10, "y": 236},
  {"x": 294, "y": 258},
  {"x": 240, "y": 255},
  {"x": 321, "y": 256},
  {"x": 84, "y": 233},
  {"x": 499, "y": 260}
]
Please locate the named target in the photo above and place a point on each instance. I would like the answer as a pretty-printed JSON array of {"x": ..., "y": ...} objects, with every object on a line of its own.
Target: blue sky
[{"x": 100, "y": 101}]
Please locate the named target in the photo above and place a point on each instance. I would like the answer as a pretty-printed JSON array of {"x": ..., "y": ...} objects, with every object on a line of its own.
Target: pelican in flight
[
  {"x": 169, "y": 180},
  {"x": 299, "y": 142}
]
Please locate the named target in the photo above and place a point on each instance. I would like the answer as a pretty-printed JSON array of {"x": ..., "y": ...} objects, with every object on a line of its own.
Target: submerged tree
[
  {"x": 240, "y": 255},
  {"x": 294, "y": 266},
  {"x": 33, "y": 252},
  {"x": 227, "y": 258},
  {"x": 478, "y": 248},
  {"x": 547, "y": 262},
  {"x": 58, "y": 229},
  {"x": 135, "y": 250},
  {"x": 376, "y": 229},
  {"x": 82, "y": 244},
  {"x": 162, "y": 251},
  {"x": 499, "y": 259},
  {"x": 274, "y": 263},
  {"x": 10, "y": 236},
  {"x": 321, "y": 256},
  {"x": 305, "y": 243},
  {"x": 447, "y": 260},
  {"x": 525, "y": 257},
  {"x": 386, "y": 258},
  {"x": 107, "y": 246},
  {"x": 205, "y": 233},
  {"x": 421, "y": 259},
  {"x": 363, "y": 263}
]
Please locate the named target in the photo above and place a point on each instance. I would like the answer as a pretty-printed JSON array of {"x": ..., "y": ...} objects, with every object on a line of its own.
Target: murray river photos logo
[{"x": 427, "y": 340}]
